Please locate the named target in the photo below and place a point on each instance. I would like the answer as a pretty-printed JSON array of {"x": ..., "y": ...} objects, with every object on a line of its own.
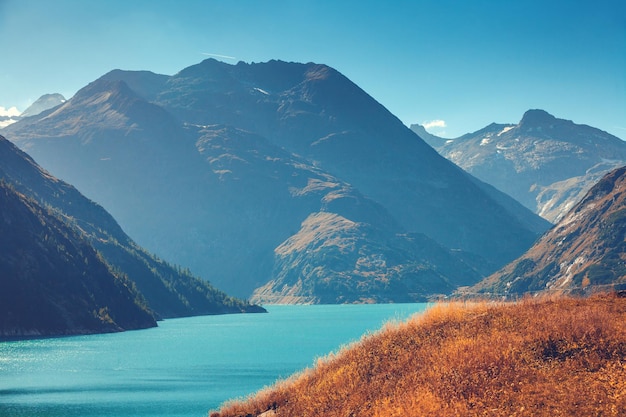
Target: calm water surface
[{"x": 185, "y": 367}]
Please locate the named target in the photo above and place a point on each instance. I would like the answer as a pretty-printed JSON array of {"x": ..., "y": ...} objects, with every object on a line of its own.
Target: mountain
[
  {"x": 336, "y": 260},
  {"x": 584, "y": 250},
  {"x": 226, "y": 167},
  {"x": 53, "y": 282},
  {"x": 43, "y": 103},
  {"x": 546, "y": 163},
  {"x": 467, "y": 359},
  {"x": 429, "y": 138},
  {"x": 168, "y": 291}
]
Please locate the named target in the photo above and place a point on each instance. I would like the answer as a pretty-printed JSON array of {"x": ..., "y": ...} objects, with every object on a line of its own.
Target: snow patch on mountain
[{"x": 506, "y": 129}]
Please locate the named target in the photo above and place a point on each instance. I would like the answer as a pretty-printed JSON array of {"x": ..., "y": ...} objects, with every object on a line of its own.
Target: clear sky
[{"x": 462, "y": 63}]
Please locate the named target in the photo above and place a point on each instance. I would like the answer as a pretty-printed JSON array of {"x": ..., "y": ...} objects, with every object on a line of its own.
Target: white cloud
[
  {"x": 10, "y": 112},
  {"x": 434, "y": 123}
]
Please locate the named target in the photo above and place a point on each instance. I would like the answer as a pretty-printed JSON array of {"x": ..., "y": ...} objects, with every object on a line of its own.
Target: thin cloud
[
  {"x": 5, "y": 123},
  {"x": 10, "y": 112},
  {"x": 434, "y": 123},
  {"x": 218, "y": 55}
]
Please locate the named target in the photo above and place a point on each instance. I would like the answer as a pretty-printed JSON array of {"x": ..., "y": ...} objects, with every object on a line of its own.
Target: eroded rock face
[{"x": 585, "y": 249}]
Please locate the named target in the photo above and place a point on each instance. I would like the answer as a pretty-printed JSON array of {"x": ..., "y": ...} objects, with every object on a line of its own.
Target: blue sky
[{"x": 464, "y": 63}]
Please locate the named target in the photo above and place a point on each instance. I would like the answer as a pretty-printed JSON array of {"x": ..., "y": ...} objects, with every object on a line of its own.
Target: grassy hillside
[{"x": 550, "y": 357}]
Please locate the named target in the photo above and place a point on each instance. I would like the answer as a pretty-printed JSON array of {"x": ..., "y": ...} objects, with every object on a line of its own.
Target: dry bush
[{"x": 548, "y": 357}]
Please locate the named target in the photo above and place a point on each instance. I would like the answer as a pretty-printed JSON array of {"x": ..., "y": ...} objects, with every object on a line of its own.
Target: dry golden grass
[{"x": 550, "y": 357}]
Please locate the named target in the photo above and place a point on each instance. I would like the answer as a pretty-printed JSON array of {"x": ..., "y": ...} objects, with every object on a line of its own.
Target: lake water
[{"x": 185, "y": 367}]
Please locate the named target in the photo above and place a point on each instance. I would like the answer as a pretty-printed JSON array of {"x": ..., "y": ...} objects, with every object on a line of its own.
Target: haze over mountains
[
  {"x": 546, "y": 163},
  {"x": 64, "y": 231},
  {"x": 43, "y": 103},
  {"x": 280, "y": 179}
]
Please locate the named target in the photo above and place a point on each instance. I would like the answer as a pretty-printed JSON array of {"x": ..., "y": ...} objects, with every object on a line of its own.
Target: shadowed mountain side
[
  {"x": 53, "y": 282},
  {"x": 585, "y": 250},
  {"x": 169, "y": 291}
]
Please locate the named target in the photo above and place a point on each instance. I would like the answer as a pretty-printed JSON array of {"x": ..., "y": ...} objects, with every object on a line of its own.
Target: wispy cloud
[
  {"x": 434, "y": 124},
  {"x": 5, "y": 123},
  {"x": 218, "y": 55},
  {"x": 10, "y": 112}
]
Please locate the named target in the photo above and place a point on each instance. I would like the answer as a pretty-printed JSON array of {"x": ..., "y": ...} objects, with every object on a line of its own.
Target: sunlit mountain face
[
  {"x": 582, "y": 253},
  {"x": 546, "y": 163}
]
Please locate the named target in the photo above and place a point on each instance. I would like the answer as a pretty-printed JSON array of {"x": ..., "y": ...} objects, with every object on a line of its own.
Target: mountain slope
[
  {"x": 335, "y": 260},
  {"x": 537, "y": 357},
  {"x": 169, "y": 291},
  {"x": 231, "y": 160},
  {"x": 546, "y": 163},
  {"x": 584, "y": 250},
  {"x": 316, "y": 112},
  {"x": 53, "y": 282}
]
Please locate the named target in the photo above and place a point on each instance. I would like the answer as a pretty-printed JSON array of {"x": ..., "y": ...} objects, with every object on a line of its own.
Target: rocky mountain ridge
[
  {"x": 546, "y": 163},
  {"x": 226, "y": 167},
  {"x": 584, "y": 251}
]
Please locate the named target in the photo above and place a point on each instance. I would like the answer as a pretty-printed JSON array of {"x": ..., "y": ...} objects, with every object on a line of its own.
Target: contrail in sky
[{"x": 218, "y": 55}]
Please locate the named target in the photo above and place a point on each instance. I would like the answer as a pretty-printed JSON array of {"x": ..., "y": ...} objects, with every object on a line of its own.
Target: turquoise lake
[{"x": 185, "y": 367}]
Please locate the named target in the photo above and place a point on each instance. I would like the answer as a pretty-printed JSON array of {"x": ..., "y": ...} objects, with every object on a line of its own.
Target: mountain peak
[
  {"x": 43, "y": 103},
  {"x": 145, "y": 83},
  {"x": 324, "y": 125},
  {"x": 432, "y": 140},
  {"x": 536, "y": 117}
]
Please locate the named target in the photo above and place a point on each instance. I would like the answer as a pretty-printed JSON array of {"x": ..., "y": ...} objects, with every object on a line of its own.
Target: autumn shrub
[{"x": 547, "y": 357}]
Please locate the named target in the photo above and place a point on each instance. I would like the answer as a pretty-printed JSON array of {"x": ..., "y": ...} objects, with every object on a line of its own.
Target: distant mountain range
[
  {"x": 43, "y": 103},
  {"x": 167, "y": 291},
  {"x": 281, "y": 181},
  {"x": 585, "y": 250},
  {"x": 546, "y": 163}
]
